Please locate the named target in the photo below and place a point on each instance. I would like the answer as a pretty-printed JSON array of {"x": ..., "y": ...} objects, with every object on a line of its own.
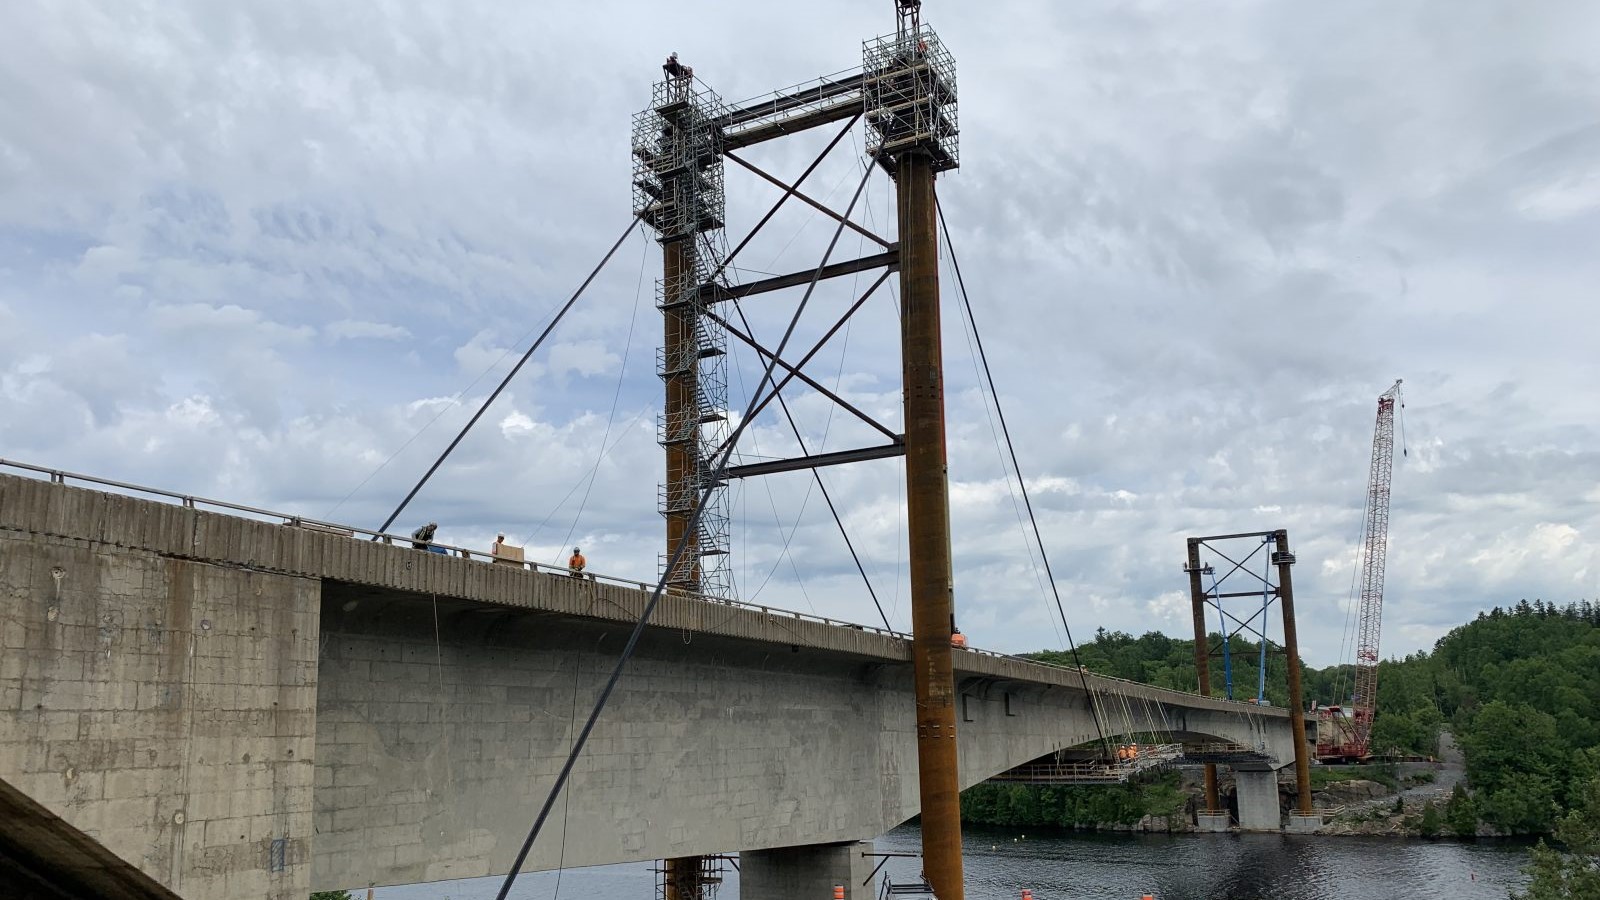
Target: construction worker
[
  {"x": 957, "y": 639},
  {"x": 576, "y": 563},
  {"x": 422, "y": 536},
  {"x": 499, "y": 541},
  {"x": 676, "y": 70}
]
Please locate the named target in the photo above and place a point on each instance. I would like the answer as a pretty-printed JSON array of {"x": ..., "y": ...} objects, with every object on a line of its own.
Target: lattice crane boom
[{"x": 1374, "y": 556}]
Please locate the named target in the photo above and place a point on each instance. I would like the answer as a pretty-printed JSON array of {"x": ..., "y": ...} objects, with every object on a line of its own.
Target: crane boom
[{"x": 1374, "y": 556}]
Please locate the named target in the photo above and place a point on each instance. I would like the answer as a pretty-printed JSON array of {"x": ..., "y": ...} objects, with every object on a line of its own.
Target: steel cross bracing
[{"x": 1374, "y": 556}]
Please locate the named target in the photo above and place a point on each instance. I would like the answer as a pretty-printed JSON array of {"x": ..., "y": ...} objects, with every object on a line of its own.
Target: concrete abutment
[{"x": 165, "y": 707}]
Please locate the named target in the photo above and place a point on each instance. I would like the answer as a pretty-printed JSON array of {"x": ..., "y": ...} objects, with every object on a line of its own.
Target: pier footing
[
  {"x": 1299, "y": 824},
  {"x": 808, "y": 872}
]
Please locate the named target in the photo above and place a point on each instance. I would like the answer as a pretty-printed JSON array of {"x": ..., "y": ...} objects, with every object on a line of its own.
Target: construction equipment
[{"x": 1344, "y": 734}]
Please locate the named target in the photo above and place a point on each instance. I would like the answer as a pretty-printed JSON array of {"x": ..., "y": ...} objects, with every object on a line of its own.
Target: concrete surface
[{"x": 166, "y": 708}]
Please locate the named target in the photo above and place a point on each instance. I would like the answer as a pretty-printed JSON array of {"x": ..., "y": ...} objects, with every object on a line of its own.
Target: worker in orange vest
[
  {"x": 957, "y": 639},
  {"x": 576, "y": 563}
]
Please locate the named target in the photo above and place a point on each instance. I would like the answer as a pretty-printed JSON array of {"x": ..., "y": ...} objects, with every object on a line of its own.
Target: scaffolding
[
  {"x": 699, "y": 879},
  {"x": 909, "y": 85},
  {"x": 678, "y": 192}
]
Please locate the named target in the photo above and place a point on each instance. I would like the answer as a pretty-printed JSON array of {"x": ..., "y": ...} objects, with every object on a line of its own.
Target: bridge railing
[{"x": 191, "y": 501}]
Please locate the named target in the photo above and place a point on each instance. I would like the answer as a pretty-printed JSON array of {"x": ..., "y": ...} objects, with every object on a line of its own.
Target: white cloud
[
  {"x": 351, "y": 329},
  {"x": 258, "y": 253}
]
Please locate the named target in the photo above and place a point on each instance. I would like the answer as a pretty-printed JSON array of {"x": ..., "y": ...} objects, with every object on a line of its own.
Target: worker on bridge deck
[
  {"x": 576, "y": 563},
  {"x": 957, "y": 639},
  {"x": 422, "y": 536}
]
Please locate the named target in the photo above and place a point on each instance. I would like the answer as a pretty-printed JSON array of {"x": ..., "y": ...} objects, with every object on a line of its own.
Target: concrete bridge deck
[{"x": 241, "y": 707}]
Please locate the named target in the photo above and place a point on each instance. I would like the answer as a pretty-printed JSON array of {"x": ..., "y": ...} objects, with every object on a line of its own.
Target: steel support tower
[
  {"x": 906, "y": 93},
  {"x": 1228, "y": 548}
]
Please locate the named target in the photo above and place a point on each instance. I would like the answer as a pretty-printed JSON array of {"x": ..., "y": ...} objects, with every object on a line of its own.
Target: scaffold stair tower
[{"x": 678, "y": 192}]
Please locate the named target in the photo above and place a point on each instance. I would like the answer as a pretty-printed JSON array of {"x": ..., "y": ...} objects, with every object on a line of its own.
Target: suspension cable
[
  {"x": 1012, "y": 450},
  {"x": 384, "y": 528},
  {"x": 720, "y": 465}
]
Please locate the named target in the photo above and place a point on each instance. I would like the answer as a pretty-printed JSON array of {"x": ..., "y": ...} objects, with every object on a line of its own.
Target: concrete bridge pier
[
  {"x": 808, "y": 872},
  {"x": 1258, "y": 800}
]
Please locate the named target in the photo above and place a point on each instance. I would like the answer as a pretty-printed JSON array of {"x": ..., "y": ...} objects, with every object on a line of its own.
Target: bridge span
[{"x": 262, "y": 706}]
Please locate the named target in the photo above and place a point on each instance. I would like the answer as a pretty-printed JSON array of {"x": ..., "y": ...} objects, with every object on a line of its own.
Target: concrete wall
[{"x": 165, "y": 707}]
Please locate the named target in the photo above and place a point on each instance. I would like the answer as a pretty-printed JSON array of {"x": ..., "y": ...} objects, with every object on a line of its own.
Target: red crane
[{"x": 1343, "y": 735}]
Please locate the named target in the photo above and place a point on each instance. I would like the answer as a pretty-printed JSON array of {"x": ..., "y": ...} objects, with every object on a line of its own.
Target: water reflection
[{"x": 1119, "y": 867}]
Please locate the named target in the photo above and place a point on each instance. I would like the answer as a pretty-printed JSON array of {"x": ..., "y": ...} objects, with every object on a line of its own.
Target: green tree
[
  {"x": 1571, "y": 873},
  {"x": 331, "y": 895},
  {"x": 1431, "y": 822},
  {"x": 1461, "y": 814},
  {"x": 1523, "y": 804},
  {"x": 1506, "y": 739}
]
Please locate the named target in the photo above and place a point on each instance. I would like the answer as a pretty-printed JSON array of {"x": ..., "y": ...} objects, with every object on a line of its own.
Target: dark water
[{"x": 1120, "y": 867}]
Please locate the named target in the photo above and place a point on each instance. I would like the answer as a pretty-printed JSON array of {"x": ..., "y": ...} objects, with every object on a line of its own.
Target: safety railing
[{"x": 191, "y": 501}]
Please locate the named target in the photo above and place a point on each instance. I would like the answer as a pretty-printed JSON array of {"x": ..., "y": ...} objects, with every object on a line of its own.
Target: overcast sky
[{"x": 276, "y": 253}]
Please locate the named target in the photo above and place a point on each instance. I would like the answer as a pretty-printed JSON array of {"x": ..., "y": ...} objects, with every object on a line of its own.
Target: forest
[{"x": 1519, "y": 688}]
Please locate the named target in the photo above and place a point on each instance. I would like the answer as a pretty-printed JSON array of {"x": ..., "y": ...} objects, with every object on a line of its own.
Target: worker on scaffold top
[
  {"x": 576, "y": 563},
  {"x": 675, "y": 70}
]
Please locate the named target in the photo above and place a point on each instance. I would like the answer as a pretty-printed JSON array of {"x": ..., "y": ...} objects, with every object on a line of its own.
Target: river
[{"x": 1119, "y": 867}]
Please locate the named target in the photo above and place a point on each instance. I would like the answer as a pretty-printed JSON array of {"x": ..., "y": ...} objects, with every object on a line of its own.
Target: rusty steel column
[
  {"x": 681, "y": 877},
  {"x": 1291, "y": 647},
  {"x": 928, "y": 518},
  {"x": 1202, "y": 659},
  {"x": 677, "y": 256}
]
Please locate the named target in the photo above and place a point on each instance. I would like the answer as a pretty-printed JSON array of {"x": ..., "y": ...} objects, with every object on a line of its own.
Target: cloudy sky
[{"x": 277, "y": 253}]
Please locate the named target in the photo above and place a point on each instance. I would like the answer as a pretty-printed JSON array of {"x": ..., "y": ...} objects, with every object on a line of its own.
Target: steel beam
[
  {"x": 783, "y": 103},
  {"x": 890, "y": 259},
  {"x": 819, "y": 460}
]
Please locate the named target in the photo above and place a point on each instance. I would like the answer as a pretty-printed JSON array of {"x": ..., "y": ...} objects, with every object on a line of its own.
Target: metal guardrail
[{"x": 190, "y": 501}]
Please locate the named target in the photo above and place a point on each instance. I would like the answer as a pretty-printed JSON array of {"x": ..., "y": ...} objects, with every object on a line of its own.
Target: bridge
[{"x": 246, "y": 704}]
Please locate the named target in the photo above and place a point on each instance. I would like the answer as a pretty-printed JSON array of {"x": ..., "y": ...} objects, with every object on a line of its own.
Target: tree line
[{"x": 1519, "y": 687}]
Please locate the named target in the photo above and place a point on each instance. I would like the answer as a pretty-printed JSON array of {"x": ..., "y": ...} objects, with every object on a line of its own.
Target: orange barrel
[
  {"x": 1027, "y": 894},
  {"x": 838, "y": 892}
]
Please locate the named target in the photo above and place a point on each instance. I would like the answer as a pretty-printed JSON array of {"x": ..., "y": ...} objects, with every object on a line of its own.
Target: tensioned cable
[
  {"x": 693, "y": 522},
  {"x": 509, "y": 375},
  {"x": 1012, "y": 449},
  {"x": 611, "y": 417}
]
